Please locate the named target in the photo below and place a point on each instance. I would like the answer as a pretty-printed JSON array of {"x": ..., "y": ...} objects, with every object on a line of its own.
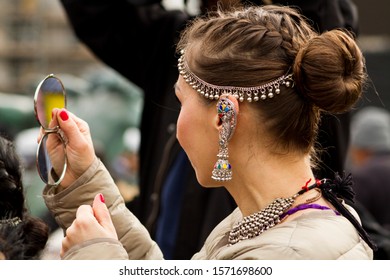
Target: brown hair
[{"x": 256, "y": 45}]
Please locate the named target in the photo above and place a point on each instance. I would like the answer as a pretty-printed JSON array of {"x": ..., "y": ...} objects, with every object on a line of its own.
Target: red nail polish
[
  {"x": 102, "y": 198},
  {"x": 64, "y": 115}
]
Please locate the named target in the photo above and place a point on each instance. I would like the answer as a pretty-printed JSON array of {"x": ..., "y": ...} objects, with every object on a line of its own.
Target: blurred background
[{"x": 36, "y": 40}]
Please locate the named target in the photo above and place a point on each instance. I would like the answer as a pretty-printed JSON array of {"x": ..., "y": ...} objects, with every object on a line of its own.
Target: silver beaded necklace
[{"x": 255, "y": 224}]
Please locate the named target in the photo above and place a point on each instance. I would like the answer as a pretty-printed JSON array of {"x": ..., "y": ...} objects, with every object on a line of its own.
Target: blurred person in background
[
  {"x": 137, "y": 39},
  {"x": 369, "y": 159},
  {"x": 22, "y": 236}
]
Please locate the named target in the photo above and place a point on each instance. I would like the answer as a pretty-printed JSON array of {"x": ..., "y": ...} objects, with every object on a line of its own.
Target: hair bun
[{"x": 329, "y": 71}]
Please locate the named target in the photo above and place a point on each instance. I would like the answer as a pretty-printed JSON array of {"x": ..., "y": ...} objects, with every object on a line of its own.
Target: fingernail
[
  {"x": 64, "y": 115},
  {"x": 101, "y": 198}
]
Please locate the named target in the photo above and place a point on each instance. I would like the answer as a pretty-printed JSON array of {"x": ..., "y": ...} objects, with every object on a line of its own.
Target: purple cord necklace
[{"x": 306, "y": 206}]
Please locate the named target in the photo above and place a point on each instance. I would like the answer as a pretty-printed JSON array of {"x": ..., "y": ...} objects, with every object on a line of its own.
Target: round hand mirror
[{"x": 51, "y": 153}]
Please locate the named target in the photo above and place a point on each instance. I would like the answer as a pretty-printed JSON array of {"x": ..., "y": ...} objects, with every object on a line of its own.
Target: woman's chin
[{"x": 207, "y": 182}]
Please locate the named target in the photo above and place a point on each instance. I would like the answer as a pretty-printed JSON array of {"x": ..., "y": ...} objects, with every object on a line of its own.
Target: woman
[{"x": 252, "y": 85}]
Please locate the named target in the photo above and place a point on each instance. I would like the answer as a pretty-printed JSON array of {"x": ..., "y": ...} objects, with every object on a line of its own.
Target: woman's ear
[{"x": 227, "y": 111}]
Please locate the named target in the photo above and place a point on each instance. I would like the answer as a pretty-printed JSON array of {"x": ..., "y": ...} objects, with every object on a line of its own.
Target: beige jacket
[{"x": 313, "y": 235}]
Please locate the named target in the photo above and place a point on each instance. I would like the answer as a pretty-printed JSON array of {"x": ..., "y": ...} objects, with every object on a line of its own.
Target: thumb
[
  {"x": 102, "y": 214},
  {"x": 68, "y": 125}
]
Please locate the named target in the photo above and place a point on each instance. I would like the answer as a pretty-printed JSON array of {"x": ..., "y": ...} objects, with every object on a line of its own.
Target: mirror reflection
[{"x": 50, "y": 94}]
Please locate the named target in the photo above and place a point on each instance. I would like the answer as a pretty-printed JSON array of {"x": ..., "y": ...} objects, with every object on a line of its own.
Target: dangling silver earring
[{"x": 222, "y": 169}]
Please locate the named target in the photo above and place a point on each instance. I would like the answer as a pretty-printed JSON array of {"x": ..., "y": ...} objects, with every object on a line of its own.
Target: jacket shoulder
[{"x": 313, "y": 235}]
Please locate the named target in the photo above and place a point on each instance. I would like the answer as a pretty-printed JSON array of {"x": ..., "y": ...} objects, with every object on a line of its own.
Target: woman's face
[{"x": 197, "y": 131}]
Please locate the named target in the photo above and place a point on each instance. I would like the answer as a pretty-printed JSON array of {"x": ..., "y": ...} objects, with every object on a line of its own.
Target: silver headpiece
[
  {"x": 12, "y": 221},
  {"x": 268, "y": 90}
]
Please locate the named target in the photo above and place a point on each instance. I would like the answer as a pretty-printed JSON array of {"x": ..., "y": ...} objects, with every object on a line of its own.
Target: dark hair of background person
[{"x": 23, "y": 240}]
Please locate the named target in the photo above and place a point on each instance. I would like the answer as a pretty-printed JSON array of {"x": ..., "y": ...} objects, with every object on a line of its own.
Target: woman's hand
[
  {"x": 90, "y": 223},
  {"x": 79, "y": 147}
]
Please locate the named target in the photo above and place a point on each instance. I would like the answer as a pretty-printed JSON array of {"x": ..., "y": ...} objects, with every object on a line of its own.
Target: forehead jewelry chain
[{"x": 265, "y": 91}]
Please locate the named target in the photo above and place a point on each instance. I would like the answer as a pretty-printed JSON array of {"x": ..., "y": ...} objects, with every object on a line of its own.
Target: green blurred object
[
  {"x": 16, "y": 113},
  {"x": 111, "y": 106}
]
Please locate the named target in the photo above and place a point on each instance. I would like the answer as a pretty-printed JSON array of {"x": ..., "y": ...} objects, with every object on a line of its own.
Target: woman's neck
[{"x": 260, "y": 182}]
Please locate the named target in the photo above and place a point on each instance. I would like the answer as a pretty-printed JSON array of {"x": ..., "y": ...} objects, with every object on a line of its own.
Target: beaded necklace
[{"x": 255, "y": 224}]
